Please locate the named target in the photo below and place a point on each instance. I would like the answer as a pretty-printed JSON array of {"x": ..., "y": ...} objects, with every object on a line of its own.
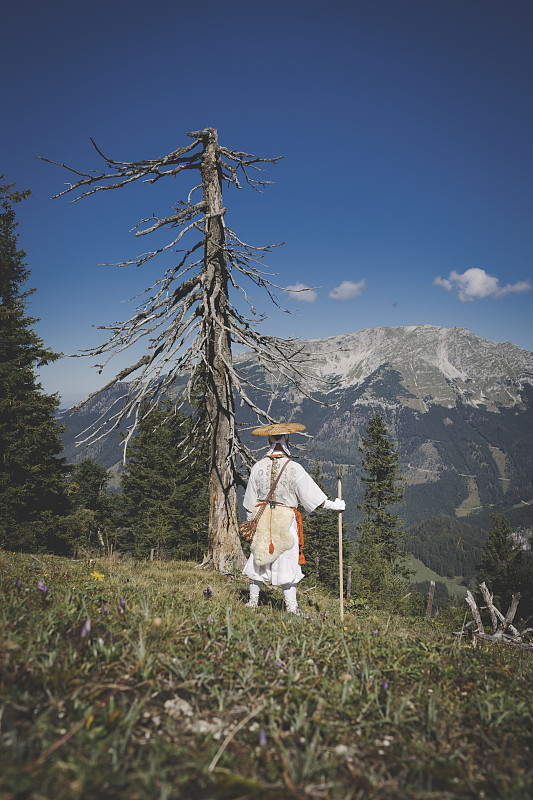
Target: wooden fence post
[{"x": 431, "y": 595}]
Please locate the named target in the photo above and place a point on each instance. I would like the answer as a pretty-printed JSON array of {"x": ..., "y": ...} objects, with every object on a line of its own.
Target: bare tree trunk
[{"x": 225, "y": 551}]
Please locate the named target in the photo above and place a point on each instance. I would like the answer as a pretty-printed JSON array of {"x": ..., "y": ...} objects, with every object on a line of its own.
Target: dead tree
[{"x": 190, "y": 321}]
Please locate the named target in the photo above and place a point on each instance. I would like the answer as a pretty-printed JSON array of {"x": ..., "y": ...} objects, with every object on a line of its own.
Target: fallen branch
[
  {"x": 504, "y": 639},
  {"x": 515, "y": 638}
]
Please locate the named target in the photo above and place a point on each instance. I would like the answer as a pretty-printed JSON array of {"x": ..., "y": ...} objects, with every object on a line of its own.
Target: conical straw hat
[{"x": 278, "y": 428}]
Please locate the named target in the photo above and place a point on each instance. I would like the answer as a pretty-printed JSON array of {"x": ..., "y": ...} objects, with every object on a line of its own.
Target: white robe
[{"x": 294, "y": 487}]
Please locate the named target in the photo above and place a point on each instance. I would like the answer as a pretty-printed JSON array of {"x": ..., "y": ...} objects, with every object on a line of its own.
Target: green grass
[
  {"x": 423, "y": 573},
  {"x": 193, "y": 696}
]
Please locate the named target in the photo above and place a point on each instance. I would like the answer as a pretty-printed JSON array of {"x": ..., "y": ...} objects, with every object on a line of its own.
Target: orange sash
[{"x": 300, "y": 524}]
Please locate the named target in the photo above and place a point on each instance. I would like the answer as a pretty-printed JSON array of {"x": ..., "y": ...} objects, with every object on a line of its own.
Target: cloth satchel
[{"x": 247, "y": 529}]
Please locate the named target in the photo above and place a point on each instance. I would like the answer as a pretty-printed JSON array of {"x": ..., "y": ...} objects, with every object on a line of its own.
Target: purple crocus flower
[
  {"x": 208, "y": 592},
  {"x": 323, "y": 615},
  {"x": 122, "y": 605},
  {"x": 210, "y": 620},
  {"x": 86, "y": 628},
  {"x": 376, "y": 631},
  {"x": 385, "y": 685},
  {"x": 42, "y": 588},
  {"x": 262, "y": 738},
  {"x": 104, "y": 609},
  {"x": 19, "y": 584}
]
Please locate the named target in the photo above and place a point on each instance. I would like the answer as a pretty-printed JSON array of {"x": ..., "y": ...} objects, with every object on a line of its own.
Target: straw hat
[{"x": 279, "y": 428}]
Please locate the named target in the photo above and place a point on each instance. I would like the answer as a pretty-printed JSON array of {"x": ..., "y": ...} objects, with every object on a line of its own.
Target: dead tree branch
[
  {"x": 499, "y": 631},
  {"x": 171, "y": 313}
]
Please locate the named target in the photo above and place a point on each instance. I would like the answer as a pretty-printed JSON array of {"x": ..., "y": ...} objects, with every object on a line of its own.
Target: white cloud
[
  {"x": 301, "y": 292},
  {"x": 347, "y": 290},
  {"x": 475, "y": 284}
]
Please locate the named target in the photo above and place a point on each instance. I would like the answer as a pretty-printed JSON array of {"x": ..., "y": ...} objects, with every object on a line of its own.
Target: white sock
[
  {"x": 254, "y": 594},
  {"x": 289, "y": 593}
]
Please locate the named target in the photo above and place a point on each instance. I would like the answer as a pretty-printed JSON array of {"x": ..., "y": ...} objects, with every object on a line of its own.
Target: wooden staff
[{"x": 341, "y": 579}]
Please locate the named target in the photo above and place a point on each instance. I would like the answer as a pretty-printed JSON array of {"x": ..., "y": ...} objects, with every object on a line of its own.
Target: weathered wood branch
[
  {"x": 117, "y": 379},
  {"x": 511, "y": 612},
  {"x": 475, "y": 611},
  {"x": 497, "y": 612},
  {"x": 512, "y": 641},
  {"x": 128, "y": 171},
  {"x": 499, "y": 631},
  {"x": 487, "y": 597}
]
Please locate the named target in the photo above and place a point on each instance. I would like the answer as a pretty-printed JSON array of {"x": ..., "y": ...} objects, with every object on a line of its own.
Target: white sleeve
[
  {"x": 335, "y": 505},
  {"x": 250, "y": 496},
  {"x": 309, "y": 494}
]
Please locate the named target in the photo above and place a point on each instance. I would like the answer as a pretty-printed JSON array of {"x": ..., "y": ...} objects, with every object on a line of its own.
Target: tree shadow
[{"x": 268, "y": 598}]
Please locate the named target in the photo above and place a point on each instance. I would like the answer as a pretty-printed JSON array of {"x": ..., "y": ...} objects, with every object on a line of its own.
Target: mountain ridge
[{"x": 431, "y": 357}]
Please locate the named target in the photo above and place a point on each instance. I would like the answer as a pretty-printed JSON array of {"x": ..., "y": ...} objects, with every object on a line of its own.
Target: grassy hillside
[
  {"x": 178, "y": 691},
  {"x": 423, "y": 573},
  {"x": 447, "y": 545}
]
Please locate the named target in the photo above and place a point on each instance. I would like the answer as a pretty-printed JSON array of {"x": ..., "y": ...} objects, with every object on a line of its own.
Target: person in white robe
[{"x": 295, "y": 487}]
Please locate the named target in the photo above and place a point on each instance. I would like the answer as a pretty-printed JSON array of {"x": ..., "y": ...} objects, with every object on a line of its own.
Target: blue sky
[{"x": 405, "y": 191}]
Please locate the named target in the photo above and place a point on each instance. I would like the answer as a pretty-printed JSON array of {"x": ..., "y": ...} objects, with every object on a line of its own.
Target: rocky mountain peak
[{"x": 436, "y": 365}]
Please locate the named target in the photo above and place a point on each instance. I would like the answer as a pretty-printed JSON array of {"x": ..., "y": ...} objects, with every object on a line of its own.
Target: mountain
[
  {"x": 438, "y": 366},
  {"x": 459, "y": 409}
]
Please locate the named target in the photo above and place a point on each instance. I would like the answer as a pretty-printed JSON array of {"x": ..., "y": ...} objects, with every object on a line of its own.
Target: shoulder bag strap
[{"x": 271, "y": 493}]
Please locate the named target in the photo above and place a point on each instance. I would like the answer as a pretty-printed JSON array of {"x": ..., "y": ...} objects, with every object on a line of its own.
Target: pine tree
[
  {"x": 165, "y": 500},
  {"x": 88, "y": 482},
  {"x": 379, "y": 559},
  {"x": 507, "y": 569},
  {"x": 321, "y": 535},
  {"x": 93, "y": 520},
  {"x": 498, "y": 560},
  {"x": 32, "y": 484}
]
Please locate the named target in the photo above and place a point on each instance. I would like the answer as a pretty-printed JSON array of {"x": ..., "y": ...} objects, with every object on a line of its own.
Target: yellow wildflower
[{"x": 98, "y": 576}]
